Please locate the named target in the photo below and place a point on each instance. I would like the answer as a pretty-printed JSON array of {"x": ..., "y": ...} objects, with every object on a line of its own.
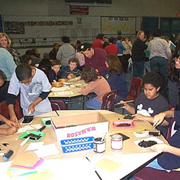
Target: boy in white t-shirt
[{"x": 33, "y": 86}]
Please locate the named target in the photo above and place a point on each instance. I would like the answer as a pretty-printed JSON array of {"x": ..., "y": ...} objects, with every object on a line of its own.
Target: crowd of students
[{"x": 102, "y": 66}]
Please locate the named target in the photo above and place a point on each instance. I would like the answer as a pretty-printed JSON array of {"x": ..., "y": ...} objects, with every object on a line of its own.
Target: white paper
[
  {"x": 47, "y": 150},
  {"x": 141, "y": 134},
  {"x": 55, "y": 89},
  {"x": 34, "y": 146},
  {"x": 29, "y": 127}
]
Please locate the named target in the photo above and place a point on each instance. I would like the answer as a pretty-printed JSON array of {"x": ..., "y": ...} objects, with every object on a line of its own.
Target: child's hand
[
  {"x": 31, "y": 108},
  {"x": 160, "y": 148},
  {"x": 10, "y": 123},
  {"x": 11, "y": 130},
  {"x": 70, "y": 76},
  {"x": 54, "y": 81}
]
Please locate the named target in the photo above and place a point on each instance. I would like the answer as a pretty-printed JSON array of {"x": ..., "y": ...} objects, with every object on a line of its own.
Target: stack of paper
[{"x": 24, "y": 164}]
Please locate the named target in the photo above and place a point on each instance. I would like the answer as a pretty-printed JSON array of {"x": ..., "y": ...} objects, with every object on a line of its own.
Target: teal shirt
[{"x": 7, "y": 64}]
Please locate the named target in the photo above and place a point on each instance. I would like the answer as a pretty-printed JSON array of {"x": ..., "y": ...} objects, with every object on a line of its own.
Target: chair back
[
  {"x": 58, "y": 105},
  {"x": 171, "y": 129},
  {"x": 134, "y": 92},
  {"x": 108, "y": 100},
  {"x": 5, "y": 112}
]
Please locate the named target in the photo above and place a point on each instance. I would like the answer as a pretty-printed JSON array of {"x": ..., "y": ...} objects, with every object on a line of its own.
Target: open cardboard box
[{"x": 81, "y": 125}]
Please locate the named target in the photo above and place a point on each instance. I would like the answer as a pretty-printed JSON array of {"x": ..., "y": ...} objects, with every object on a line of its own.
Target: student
[
  {"x": 53, "y": 52},
  {"x": 115, "y": 77},
  {"x": 95, "y": 84},
  {"x": 170, "y": 158},
  {"x": 72, "y": 71},
  {"x": 33, "y": 86},
  {"x": 26, "y": 59},
  {"x": 11, "y": 129},
  {"x": 54, "y": 74},
  {"x": 151, "y": 102}
]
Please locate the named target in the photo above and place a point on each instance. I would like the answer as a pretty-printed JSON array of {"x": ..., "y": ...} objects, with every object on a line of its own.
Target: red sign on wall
[{"x": 79, "y": 10}]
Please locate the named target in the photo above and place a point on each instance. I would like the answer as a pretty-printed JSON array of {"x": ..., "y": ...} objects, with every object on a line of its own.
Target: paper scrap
[
  {"x": 108, "y": 164},
  {"x": 47, "y": 150},
  {"x": 45, "y": 175},
  {"x": 34, "y": 146}
]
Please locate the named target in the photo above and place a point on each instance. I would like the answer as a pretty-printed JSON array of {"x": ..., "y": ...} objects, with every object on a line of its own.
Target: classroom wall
[{"x": 163, "y": 8}]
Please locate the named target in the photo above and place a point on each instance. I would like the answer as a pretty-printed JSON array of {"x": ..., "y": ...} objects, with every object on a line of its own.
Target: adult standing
[
  {"x": 127, "y": 52},
  {"x": 7, "y": 64},
  {"x": 138, "y": 54},
  {"x": 5, "y": 42},
  {"x": 94, "y": 57},
  {"x": 112, "y": 48},
  {"x": 160, "y": 52},
  {"x": 53, "y": 52},
  {"x": 65, "y": 52},
  {"x": 98, "y": 42}
]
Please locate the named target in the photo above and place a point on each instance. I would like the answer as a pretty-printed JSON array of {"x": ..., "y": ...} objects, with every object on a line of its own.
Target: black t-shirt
[{"x": 151, "y": 107}]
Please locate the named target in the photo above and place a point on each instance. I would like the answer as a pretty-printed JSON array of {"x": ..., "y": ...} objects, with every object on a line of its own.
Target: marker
[
  {"x": 25, "y": 141},
  {"x": 42, "y": 128},
  {"x": 8, "y": 155}
]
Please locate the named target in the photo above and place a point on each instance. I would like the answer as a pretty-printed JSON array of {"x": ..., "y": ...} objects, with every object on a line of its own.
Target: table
[
  {"x": 69, "y": 94},
  {"x": 131, "y": 157}
]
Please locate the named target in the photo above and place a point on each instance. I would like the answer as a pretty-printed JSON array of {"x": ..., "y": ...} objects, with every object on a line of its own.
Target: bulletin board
[
  {"x": 46, "y": 27},
  {"x": 110, "y": 25}
]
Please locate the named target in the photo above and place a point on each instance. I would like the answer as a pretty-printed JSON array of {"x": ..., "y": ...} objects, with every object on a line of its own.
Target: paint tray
[
  {"x": 47, "y": 122},
  {"x": 34, "y": 135},
  {"x": 77, "y": 144},
  {"x": 123, "y": 124}
]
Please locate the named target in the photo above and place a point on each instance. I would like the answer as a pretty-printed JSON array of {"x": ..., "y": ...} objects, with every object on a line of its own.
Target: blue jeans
[
  {"x": 159, "y": 65},
  {"x": 93, "y": 104},
  {"x": 138, "y": 69}
]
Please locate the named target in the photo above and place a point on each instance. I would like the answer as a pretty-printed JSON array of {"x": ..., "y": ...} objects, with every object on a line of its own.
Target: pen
[
  {"x": 95, "y": 170},
  {"x": 41, "y": 129}
]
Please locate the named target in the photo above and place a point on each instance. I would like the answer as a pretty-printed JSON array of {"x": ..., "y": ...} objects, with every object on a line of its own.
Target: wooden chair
[
  {"x": 5, "y": 112},
  {"x": 58, "y": 105},
  {"x": 149, "y": 173},
  {"x": 108, "y": 100},
  {"x": 135, "y": 89}
]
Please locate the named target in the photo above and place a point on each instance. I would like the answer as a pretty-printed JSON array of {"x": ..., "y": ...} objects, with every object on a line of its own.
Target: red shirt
[
  {"x": 98, "y": 43},
  {"x": 112, "y": 49},
  {"x": 97, "y": 61}
]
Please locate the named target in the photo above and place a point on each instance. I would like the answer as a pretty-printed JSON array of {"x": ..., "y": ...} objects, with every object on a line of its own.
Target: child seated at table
[
  {"x": 34, "y": 88},
  {"x": 95, "y": 84},
  {"x": 55, "y": 73},
  {"x": 170, "y": 158},
  {"x": 151, "y": 102},
  {"x": 26, "y": 59},
  {"x": 72, "y": 71},
  {"x": 13, "y": 127}
]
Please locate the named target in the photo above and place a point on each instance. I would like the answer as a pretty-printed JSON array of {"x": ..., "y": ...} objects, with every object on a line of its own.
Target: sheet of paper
[
  {"x": 47, "y": 150},
  {"x": 45, "y": 175},
  {"x": 28, "y": 159},
  {"x": 29, "y": 127},
  {"x": 108, "y": 164},
  {"x": 34, "y": 146}
]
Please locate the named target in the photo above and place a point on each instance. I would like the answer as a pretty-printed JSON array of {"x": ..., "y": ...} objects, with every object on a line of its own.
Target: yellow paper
[
  {"x": 45, "y": 175},
  {"x": 108, "y": 164}
]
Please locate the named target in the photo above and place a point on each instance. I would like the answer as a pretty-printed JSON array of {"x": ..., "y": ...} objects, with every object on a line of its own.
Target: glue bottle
[{"x": 8, "y": 155}]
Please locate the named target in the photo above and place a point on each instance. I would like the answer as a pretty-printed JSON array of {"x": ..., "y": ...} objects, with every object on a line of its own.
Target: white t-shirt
[{"x": 30, "y": 93}]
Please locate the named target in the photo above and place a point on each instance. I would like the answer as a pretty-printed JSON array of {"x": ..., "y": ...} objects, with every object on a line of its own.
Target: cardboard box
[{"x": 81, "y": 125}]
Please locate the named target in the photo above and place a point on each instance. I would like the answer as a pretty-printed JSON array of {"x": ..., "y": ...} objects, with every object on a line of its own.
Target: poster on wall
[{"x": 111, "y": 25}]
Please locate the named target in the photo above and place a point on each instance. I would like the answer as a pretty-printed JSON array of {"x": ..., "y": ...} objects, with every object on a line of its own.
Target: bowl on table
[
  {"x": 62, "y": 80},
  {"x": 57, "y": 84}
]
